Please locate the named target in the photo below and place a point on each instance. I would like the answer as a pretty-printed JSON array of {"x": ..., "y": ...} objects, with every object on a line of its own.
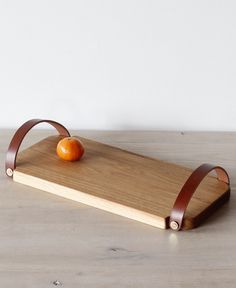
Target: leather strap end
[
  {"x": 18, "y": 137},
  {"x": 188, "y": 189}
]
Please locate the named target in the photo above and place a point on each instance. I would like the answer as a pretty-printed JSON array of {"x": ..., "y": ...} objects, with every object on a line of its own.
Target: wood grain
[
  {"x": 44, "y": 237},
  {"x": 121, "y": 182}
]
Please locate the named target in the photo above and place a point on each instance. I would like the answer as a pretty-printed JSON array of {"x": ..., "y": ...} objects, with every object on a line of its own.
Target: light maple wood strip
[{"x": 89, "y": 199}]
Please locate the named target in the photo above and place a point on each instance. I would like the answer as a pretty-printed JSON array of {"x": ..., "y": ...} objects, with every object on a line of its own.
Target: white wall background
[{"x": 120, "y": 64}]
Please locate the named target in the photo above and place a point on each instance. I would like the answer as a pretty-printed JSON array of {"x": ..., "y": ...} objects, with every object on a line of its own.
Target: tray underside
[{"x": 118, "y": 181}]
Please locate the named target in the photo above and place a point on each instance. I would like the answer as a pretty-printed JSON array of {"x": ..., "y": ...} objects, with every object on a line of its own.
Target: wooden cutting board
[{"x": 118, "y": 181}]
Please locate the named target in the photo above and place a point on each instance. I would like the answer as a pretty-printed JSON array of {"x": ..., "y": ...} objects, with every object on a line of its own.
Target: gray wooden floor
[{"x": 44, "y": 238}]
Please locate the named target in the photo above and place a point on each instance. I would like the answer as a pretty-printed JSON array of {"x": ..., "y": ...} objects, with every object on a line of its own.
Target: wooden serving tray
[{"x": 118, "y": 181}]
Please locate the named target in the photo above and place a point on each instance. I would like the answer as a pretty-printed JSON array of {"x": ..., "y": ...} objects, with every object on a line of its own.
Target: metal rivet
[
  {"x": 174, "y": 225},
  {"x": 9, "y": 172}
]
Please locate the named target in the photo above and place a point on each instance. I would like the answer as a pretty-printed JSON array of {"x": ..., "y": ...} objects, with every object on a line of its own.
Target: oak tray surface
[{"x": 118, "y": 181}]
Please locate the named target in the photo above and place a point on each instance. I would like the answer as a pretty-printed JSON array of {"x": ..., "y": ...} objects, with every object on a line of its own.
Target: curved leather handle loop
[
  {"x": 19, "y": 136},
  {"x": 190, "y": 186}
]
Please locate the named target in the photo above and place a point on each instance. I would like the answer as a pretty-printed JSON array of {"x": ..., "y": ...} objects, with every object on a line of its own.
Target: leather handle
[
  {"x": 20, "y": 135},
  {"x": 190, "y": 186}
]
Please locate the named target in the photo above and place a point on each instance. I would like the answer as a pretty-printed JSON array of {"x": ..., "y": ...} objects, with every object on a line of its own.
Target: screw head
[
  {"x": 174, "y": 225},
  {"x": 9, "y": 172}
]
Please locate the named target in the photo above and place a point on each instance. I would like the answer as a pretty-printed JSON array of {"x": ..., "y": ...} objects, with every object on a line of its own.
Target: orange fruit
[{"x": 70, "y": 149}]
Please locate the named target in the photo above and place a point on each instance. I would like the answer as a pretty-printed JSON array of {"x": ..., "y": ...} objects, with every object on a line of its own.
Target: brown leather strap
[
  {"x": 190, "y": 186},
  {"x": 19, "y": 136}
]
